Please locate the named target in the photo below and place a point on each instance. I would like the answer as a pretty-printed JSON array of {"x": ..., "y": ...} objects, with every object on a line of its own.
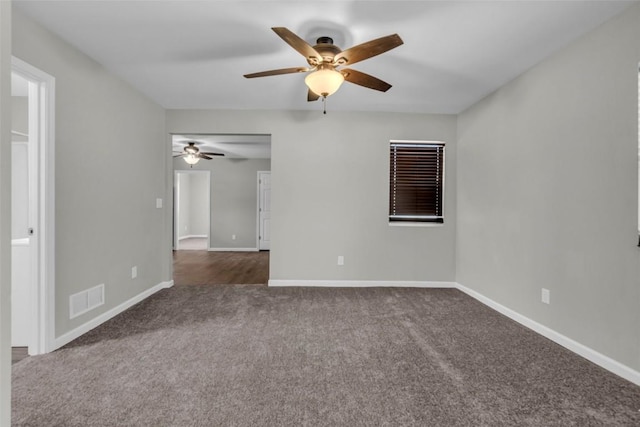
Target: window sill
[{"x": 416, "y": 224}]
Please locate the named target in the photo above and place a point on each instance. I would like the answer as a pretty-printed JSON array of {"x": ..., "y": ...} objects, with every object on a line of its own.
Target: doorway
[
  {"x": 32, "y": 199},
  {"x": 192, "y": 210},
  {"x": 234, "y": 161}
]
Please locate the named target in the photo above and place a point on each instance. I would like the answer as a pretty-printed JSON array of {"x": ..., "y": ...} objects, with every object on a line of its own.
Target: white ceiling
[
  {"x": 192, "y": 54},
  {"x": 233, "y": 146}
]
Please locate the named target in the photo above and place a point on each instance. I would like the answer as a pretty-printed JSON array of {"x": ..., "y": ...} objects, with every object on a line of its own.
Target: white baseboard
[
  {"x": 362, "y": 283},
  {"x": 233, "y": 249},
  {"x": 588, "y": 353},
  {"x": 97, "y": 321},
  {"x": 193, "y": 236}
]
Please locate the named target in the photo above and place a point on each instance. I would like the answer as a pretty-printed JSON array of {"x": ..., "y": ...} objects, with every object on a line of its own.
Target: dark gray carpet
[{"x": 247, "y": 355}]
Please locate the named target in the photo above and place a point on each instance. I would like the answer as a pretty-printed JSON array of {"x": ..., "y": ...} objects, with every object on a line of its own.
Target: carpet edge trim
[
  {"x": 100, "y": 319},
  {"x": 588, "y": 353},
  {"x": 361, "y": 284}
]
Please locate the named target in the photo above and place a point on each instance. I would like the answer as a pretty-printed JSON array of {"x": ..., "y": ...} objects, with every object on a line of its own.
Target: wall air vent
[{"x": 86, "y": 300}]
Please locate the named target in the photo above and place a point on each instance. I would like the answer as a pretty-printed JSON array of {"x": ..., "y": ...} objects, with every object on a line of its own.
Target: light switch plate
[{"x": 546, "y": 296}]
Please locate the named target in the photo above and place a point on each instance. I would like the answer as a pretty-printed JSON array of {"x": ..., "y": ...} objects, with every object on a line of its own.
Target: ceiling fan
[
  {"x": 192, "y": 154},
  {"x": 325, "y": 58}
]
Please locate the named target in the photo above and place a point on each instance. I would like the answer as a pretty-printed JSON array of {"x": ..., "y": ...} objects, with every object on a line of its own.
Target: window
[{"x": 416, "y": 181}]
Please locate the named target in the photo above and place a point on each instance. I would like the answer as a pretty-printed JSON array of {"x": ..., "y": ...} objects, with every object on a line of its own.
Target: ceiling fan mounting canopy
[
  {"x": 191, "y": 148},
  {"x": 325, "y": 58},
  {"x": 327, "y": 50}
]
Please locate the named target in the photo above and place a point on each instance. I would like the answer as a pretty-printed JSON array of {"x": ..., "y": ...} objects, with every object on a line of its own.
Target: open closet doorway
[
  {"x": 191, "y": 210},
  {"x": 32, "y": 204},
  {"x": 236, "y": 251}
]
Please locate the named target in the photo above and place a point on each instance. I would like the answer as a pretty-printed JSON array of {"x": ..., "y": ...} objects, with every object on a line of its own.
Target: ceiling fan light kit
[
  {"x": 191, "y": 159},
  {"x": 325, "y": 58},
  {"x": 324, "y": 82}
]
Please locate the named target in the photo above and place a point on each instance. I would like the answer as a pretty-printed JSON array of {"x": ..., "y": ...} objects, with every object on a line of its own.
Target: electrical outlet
[
  {"x": 233, "y": 237},
  {"x": 134, "y": 272},
  {"x": 159, "y": 203},
  {"x": 546, "y": 296},
  {"x": 340, "y": 260}
]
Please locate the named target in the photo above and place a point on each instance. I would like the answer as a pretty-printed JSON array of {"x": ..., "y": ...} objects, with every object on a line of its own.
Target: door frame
[
  {"x": 258, "y": 222},
  {"x": 42, "y": 219},
  {"x": 176, "y": 203}
]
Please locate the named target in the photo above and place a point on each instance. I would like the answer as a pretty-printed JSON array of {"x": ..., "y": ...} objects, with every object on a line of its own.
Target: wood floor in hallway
[
  {"x": 18, "y": 353},
  {"x": 218, "y": 268}
]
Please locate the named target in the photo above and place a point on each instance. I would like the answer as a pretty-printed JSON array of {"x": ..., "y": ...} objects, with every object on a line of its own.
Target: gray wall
[
  {"x": 110, "y": 168},
  {"x": 233, "y": 198},
  {"x": 5, "y": 213},
  {"x": 548, "y": 192},
  {"x": 330, "y": 192}
]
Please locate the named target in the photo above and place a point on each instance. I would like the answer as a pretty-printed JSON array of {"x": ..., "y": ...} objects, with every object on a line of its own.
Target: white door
[
  {"x": 24, "y": 212},
  {"x": 21, "y": 285},
  {"x": 264, "y": 210},
  {"x": 33, "y": 246}
]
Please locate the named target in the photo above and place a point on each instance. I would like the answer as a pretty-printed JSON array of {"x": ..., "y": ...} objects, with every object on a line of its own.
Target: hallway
[{"x": 217, "y": 268}]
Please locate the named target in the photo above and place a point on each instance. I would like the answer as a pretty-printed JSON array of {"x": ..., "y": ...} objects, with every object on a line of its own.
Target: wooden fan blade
[
  {"x": 362, "y": 79},
  {"x": 368, "y": 50},
  {"x": 312, "y": 96},
  {"x": 212, "y": 154},
  {"x": 204, "y": 156},
  {"x": 298, "y": 44},
  {"x": 178, "y": 155},
  {"x": 277, "y": 72}
]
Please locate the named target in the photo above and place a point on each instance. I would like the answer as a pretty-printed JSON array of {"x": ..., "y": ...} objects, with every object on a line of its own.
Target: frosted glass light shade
[
  {"x": 191, "y": 159},
  {"x": 324, "y": 82}
]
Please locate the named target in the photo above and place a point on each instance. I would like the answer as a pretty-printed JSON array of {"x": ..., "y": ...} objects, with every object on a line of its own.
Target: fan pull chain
[{"x": 324, "y": 105}]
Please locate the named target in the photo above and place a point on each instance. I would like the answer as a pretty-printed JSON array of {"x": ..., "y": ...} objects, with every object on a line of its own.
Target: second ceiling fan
[
  {"x": 325, "y": 58},
  {"x": 192, "y": 154}
]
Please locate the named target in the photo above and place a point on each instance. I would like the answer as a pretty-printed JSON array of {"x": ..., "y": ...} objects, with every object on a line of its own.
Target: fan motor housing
[{"x": 326, "y": 48}]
